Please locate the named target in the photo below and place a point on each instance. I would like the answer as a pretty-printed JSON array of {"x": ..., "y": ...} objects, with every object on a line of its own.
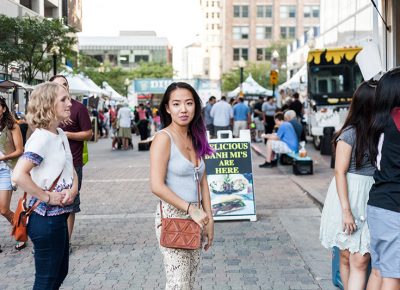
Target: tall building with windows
[
  {"x": 251, "y": 26},
  {"x": 211, "y": 38}
]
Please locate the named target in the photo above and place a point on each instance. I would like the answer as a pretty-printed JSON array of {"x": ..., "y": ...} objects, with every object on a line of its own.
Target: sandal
[{"x": 20, "y": 245}]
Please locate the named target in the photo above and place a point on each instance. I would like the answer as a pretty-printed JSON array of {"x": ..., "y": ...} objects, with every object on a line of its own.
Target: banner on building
[{"x": 230, "y": 177}]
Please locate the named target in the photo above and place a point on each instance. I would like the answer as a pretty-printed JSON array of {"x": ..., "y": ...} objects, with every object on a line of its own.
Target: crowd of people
[
  {"x": 361, "y": 215},
  {"x": 281, "y": 128},
  {"x": 120, "y": 122}
]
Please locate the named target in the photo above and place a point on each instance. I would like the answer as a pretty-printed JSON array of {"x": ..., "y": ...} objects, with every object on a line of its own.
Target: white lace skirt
[{"x": 331, "y": 219}]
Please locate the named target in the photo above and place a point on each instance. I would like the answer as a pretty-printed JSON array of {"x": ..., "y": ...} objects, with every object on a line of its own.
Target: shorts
[
  {"x": 77, "y": 201},
  {"x": 5, "y": 179},
  {"x": 259, "y": 124},
  {"x": 237, "y": 126},
  {"x": 280, "y": 147},
  {"x": 384, "y": 226}
]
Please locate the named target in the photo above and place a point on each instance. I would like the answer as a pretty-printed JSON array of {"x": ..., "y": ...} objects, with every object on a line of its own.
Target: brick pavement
[{"x": 114, "y": 245}]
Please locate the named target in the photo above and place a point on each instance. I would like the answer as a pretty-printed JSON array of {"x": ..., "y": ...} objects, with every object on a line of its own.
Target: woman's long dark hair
[
  {"x": 7, "y": 119},
  {"x": 359, "y": 117},
  {"x": 387, "y": 97},
  {"x": 197, "y": 128}
]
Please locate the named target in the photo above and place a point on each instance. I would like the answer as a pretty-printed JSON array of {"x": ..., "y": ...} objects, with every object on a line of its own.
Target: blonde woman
[
  {"x": 48, "y": 147},
  {"x": 10, "y": 149}
]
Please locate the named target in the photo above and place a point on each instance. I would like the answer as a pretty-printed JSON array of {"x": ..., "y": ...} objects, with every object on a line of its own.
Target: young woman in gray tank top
[{"x": 176, "y": 155}]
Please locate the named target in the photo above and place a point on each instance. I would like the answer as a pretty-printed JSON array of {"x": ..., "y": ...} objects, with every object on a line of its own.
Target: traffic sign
[{"x": 274, "y": 77}]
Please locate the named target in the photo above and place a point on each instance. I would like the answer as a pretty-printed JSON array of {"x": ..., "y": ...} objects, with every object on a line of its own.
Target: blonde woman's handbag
[
  {"x": 22, "y": 213},
  {"x": 179, "y": 233}
]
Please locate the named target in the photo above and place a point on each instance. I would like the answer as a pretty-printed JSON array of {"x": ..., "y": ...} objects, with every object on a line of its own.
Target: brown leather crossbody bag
[
  {"x": 179, "y": 233},
  {"x": 22, "y": 213}
]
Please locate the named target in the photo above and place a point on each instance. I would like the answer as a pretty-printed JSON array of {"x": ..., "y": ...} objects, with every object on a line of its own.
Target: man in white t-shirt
[
  {"x": 222, "y": 113},
  {"x": 124, "y": 121}
]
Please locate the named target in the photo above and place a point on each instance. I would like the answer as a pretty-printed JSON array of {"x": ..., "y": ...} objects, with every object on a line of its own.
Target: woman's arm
[
  {"x": 18, "y": 144},
  {"x": 21, "y": 176},
  {"x": 159, "y": 158},
  {"x": 206, "y": 202},
  {"x": 342, "y": 162}
]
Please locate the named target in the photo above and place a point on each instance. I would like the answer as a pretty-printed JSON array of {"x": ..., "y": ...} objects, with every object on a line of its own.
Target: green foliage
[
  {"x": 115, "y": 76},
  {"x": 260, "y": 71},
  {"x": 36, "y": 39}
]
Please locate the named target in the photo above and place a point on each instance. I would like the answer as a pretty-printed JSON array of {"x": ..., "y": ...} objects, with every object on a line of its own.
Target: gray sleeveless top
[{"x": 181, "y": 173}]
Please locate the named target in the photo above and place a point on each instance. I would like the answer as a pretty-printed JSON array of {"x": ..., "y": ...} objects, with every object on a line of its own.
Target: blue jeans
[{"x": 49, "y": 235}]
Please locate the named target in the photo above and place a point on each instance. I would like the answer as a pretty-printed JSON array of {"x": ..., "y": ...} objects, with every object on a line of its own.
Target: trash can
[{"x": 326, "y": 141}]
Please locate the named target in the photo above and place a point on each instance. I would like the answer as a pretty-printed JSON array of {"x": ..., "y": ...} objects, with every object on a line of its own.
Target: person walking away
[
  {"x": 297, "y": 106},
  {"x": 268, "y": 109},
  {"x": 222, "y": 115},
  {"x": 176, "y": 157},
  {"x": 11, "y": 147},
  {"x": 207, "y": 116},
  {"x": 343, "y": 219},
  {"x": 106, "y": 123},
  {"x": 284, "y": 141},
  {"x": 77, "y": 128},
  {"x": 124, "y": 120},
  {"x": 142, "y": 120},
  {"x": 258, "y": 117},
  {"x": 47, "y": 163},
  {"x": 112, "y": 119},
  {"x": 241, "y": 117},
  {"x": 383, "y": 210}
]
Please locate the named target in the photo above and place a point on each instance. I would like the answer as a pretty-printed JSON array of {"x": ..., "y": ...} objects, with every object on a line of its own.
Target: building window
[
  {"x": 139, "y": 58},
  {"x": 264, "y": 11},
  {"x": 264, "y": 32},
  {"x": 240, "y": 52},
  {"x": 315, "y": 11},
  {"x": 241, "y": 11},
  {"x": 288, "y": 11},
  {"x": 263, "y": 54},
  {"x": 240, "y": 32},
  {"x": 288, "y": 32},
  {"x": 311, "y": 11}
]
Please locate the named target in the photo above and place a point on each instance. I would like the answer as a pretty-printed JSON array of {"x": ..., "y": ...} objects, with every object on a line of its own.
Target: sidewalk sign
[{"x": 230, "y": 177}]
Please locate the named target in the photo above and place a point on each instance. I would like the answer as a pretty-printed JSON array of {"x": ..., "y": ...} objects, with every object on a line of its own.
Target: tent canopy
[
  {"x": 250, "y": 88},
  {"x": 298, "y": 80},
  {"x": 95, "y": 89},
  {"x": 112, "y": 93},
  {"x": 77, "y": 86},
  {"x": 6, "y": 85}
]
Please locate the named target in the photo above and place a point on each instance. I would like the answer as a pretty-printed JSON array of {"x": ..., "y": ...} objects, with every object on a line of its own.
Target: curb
[{"x": 314, "y": 195}]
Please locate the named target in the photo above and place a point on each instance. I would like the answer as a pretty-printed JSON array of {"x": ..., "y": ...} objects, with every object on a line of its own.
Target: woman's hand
[
  {"x": 68, "y": 196},
  {"x": 56, "y": 198},
  {"x": 209, "y": 234},
  {"x": 349, "y": 225},
  {"x": 199, "y": 216}
]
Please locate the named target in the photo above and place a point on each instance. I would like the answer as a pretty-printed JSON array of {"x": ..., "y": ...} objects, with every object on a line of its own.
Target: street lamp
[
  {"x": 127, "y": 83},
  {"x": 242, "y": 64},
  {"x": 274, "y": 74},
  {"x": 55, "y": 50}
]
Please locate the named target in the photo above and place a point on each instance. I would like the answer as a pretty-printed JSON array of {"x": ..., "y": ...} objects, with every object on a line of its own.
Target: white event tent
[
  {"x": 77, "y": 87},
  {"x": 95, "y": 89},
  {"x": 298, "y": 81},
  {"x": 250, "y": 88},
  {"x": 114, "y": 95}
]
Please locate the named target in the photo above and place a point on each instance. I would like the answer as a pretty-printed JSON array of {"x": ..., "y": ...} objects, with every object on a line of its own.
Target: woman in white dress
[{"x": 344, "y": 214}]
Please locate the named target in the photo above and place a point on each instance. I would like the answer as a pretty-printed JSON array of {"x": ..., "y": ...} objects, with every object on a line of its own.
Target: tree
[
  {"x": 115, "y": 76},
  {"x": 36, "y": 39},
  {"x": 8, "y": 41}
]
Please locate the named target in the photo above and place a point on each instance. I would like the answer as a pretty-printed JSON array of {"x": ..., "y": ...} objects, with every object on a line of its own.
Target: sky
[{"x": 178, "y": 20}]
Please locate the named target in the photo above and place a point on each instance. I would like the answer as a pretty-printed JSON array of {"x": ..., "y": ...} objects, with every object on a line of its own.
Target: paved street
[{"x": 114, "y": 245}]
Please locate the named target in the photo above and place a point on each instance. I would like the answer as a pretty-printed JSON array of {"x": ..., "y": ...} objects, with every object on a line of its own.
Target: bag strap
[
  {"x": 197, "y": 178},
  {"x": 35, "y": 205}
]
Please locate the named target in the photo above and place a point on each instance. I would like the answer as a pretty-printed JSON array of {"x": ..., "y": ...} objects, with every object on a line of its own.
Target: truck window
[{"x": 331, "y": 79}]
